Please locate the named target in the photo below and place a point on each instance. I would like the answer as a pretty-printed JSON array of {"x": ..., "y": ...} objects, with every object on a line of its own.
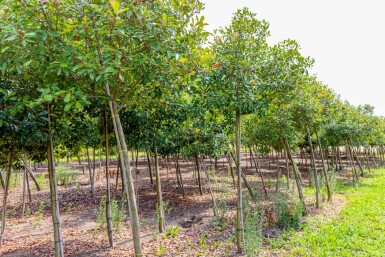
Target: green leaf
[
  {"x": 149, "y": 26},
  {"x": 206, "y": 57},
  {"x": 164, "y": 17},
  {"x": 48, "y": 97},
  {"x": 94, "y": 6},
  {"x": 115, "y": 5},
  {"x": 67, "y": 107},
  {"x": 67, "y": 98},
  {"x": 4, "y": 49},
  {"x": 27, "y": 63},
  {"x": 24, "y": 43},
  {"x": 78, "y": 105}
]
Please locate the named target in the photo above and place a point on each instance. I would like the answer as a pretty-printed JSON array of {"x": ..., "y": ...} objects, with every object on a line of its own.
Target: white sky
[{"x": 346, "y": 39}]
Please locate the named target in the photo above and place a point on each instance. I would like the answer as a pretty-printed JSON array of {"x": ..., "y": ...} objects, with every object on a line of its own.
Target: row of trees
[{"x": 72, "y": 72}]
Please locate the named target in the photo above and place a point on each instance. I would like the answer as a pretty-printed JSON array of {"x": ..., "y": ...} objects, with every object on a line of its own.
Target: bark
[
  {"x": 127, "y": 177},
  {"x": 287, "y": 170},
  {"x": 59, "y": 251},
  {"x": 245, "y": 180},
  {"x": 90, "y": 173},
  {"x": 357, "y": 159},
  {"x": 160, "y": 210},
  {"x": 231, "y": 168},
  {"x": 240, "y": 230},
  {"x": 326, "y": 178},
  {"x": 199, "y": 174},
  {"x": 149, "y": 167},
  {"x": 5, "y": 196},
  {"x": 317, "y": 190},
  {"x": 108, "y": 196},
  {"x": 351, "y": 159},
  {"x": 24, "y": 187},
  {"x": 295, "y": 171},
  {"x": 215, "y": 209},
  {"x": 258, "y": 170},
  {"x": 2, "y": 180},
  {"x": 34, "y": 179},
  {"x": 178, "y": 171}
]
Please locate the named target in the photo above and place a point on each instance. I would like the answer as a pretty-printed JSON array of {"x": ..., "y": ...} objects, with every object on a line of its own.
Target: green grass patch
[{"x": 359, "y": 230}]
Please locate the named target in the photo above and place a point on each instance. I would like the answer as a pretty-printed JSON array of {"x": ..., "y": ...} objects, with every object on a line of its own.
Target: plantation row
[{"x": 145, "y": 77}]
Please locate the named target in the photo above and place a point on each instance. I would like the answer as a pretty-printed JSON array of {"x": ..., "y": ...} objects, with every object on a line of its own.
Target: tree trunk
[
  {"x": 90, "y": 173},
  {"x": 231, "y": 168},
  {"x": 5, "y": 196},
  {"x": 108, "y": 196},
  {"x": 240, "y": 231},
  {"x": 199, "y": 175},
  {"x": 160, "y": 210},
  {"x": 324, "y": 167},
  {"x": 179, "y": 174},
  {"x": 127, "y": 177},
  {"x": 317, "y": 193},
  {"x": 258, "y": 170},
  {"x": 296, "y": 172},
  {"x": 215, "y": 209},
  {"x": 358, "y": 160},
  {"x": 149, "y": 167},
  {"x": 24, "y": 187},
  {"x": 2, "y": 180},
  {"x": 245, "y": 180},
  {"x": 59, "y": 251}
]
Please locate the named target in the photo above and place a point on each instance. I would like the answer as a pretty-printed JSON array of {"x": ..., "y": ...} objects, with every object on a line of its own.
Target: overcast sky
[{"x": 345, "y": 37}]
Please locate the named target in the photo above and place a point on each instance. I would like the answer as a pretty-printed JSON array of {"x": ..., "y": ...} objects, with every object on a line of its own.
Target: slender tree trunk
[
  {"x": 5, "y": 196},
  {"x": 231, "y": 168},
  {"x": 258, "y": 169},
  {"x": 149, "y": 167},
  {"x": 199, "y": 174},
  {"x": 2, "y": 180},
  {"x": 240, "y": 230},
  {"x": 34, "y": 179},
  {"x": 296, "y": 172},
  {"x": 90, "y": 173},
  {"x": 160, "y": 210},
  {"x": 108, "y": 196},
  {"x": 179, "y": 173},
  {"x": 326, "y": 178},
  {"x": 215, "y": 209},
  {"x": 24, "y": 187},
  {"x": 244, "y": 179},
  {"x": 287, "y": 170},
  {"x": 358, "y": 160},
  {"x": 127, "y": 177},
  {"x": 59, "y": 251},
  {"x": 117, "y": 174},
  {"x": 367, "y": 159},
  {"x": 351, "y": 158},
  {"x": 28, "y": 186},
  {"x": 315, "y": 170}
]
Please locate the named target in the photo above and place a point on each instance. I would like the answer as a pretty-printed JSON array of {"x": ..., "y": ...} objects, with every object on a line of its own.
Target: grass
[{"x": 359, "y": 230}]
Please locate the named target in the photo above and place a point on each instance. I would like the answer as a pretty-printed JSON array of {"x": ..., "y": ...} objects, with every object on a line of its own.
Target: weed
[
  {"x": 288, "y": 212},
  {"x": 64, "y": 176},
  {"x": 202, "y": 241},
  {"x": 118, "y": 214},
  {"x": 160, "y": 251},
  {"x": 41, "y": 180},
  {"x": 171, "y": 232}
]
